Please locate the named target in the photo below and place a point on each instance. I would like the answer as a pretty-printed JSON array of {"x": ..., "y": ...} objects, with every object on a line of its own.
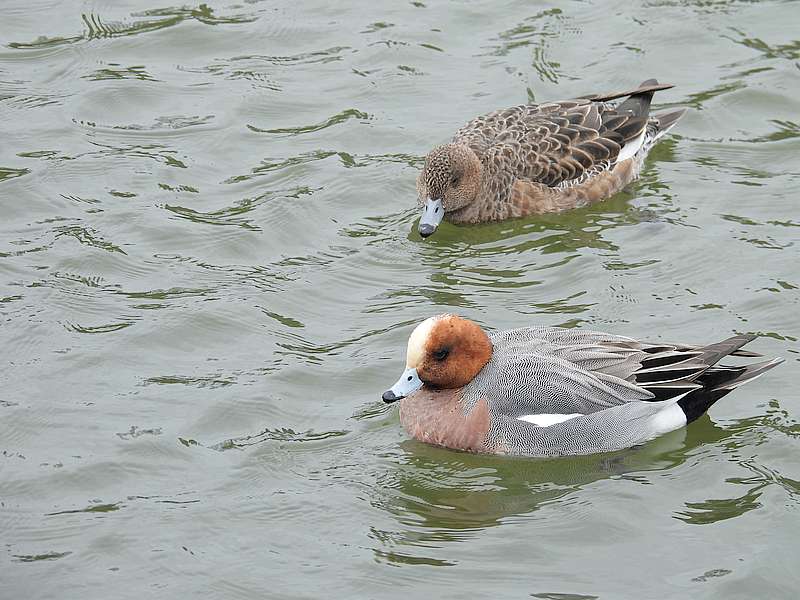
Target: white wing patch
[
  {"x": 631, "y": 147},
  {"x": 545, "y": 420}
]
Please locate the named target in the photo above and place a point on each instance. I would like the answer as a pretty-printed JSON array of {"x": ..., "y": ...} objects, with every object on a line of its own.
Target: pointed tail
[
  {"x": 666, "y": 121},
  {"x": 719, "y": 380},
  {"x": 649, "y": 86},
  {"x": 749, "y": 373}
]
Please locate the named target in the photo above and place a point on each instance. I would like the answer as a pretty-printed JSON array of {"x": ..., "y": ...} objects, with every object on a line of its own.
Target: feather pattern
[
  {"x": 539, "y": 158},
  {"x": 596, "y": 391},
  {"x": 547, "y": 391}
]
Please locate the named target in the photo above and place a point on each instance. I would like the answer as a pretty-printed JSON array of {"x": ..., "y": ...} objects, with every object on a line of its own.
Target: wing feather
[
  {"x": 552, "y": 143},
  {"x": 517, "y": 384}
]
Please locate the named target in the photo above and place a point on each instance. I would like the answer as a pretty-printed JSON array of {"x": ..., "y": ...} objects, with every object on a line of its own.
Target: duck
[
  {"x": 541, "y": 158},
  {"x": 552, "y": 391}
]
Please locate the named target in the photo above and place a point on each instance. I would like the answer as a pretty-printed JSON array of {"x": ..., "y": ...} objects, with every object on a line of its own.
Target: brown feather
[{"x": 530, "y": 159}]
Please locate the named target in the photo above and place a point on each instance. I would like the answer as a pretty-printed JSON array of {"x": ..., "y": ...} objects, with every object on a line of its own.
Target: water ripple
[
  {"x": 97, "y": 28},
  {"x": 341, "y": 117},
  {"x": 210, "y": 270}
]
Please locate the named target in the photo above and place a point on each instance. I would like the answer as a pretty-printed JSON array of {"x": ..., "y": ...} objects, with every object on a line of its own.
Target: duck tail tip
[
  {"x": 667, "y": 120},
  {"x": 750, "y": 373},
  {"x": 696, "y": 403}
]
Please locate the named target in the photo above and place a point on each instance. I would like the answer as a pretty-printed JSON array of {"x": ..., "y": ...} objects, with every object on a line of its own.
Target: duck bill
[
  {"x": 432, "y": 215},
  {"x": 409, "y": 382}
]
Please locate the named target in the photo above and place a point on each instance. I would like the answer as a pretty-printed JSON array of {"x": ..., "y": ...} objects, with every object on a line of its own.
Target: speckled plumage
[
  {"x": 540, "y": 158},
  {"x": 550, "y": 391}
]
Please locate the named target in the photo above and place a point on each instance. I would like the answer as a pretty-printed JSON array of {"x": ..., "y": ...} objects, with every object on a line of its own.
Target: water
[{"x": 208, "y": 275}]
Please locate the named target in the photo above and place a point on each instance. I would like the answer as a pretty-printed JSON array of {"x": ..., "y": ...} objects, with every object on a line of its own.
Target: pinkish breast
[{"x": 437, "y": 417}]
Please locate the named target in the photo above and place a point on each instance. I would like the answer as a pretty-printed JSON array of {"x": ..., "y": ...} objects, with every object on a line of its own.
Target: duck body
[
  {"x": 544, "y": 391},
  {"x": 540, "y": 158}
]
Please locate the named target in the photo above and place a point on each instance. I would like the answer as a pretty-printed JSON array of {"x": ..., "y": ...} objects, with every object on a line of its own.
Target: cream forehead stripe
[{"x": 416, "y": 343}]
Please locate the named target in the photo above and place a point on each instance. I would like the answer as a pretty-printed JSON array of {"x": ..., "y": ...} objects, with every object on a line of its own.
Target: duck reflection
[{"x": 438, "y": 495}]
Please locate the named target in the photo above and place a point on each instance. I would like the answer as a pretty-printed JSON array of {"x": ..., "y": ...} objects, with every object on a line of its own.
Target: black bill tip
[
  {"x": 389, "y": 397},
  {"x": 426, "y": 229}
]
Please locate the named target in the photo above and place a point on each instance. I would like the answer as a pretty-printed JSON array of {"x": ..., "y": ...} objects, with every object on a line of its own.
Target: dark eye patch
[{"x": 441, "y": 354}]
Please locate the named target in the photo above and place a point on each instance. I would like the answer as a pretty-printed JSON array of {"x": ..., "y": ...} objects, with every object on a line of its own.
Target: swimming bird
[
  {"x": 541, "y": 158},
  {"x": 550, "y": 391}
]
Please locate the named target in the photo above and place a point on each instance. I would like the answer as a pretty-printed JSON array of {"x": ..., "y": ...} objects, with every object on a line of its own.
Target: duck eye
[
  {"x": 454, "y": 180},
  {"x": 441, "y": 354}
]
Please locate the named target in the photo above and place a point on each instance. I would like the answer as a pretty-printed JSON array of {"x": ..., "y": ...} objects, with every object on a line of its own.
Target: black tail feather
[
  {"x": 696, "y": 404},
  {"x": 748, "y": 373},
  {"x": 668, "y": 371},
  {"x": 725, "y": 380}
]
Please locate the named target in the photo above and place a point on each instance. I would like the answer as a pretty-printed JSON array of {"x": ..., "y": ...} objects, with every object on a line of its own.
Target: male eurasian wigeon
[
  {"x": 549, "y": 391},
  {"x": 540, "y": 158}
]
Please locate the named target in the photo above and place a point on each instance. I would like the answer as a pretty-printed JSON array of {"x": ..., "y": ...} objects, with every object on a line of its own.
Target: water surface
[{"x": 208, "y": 274}]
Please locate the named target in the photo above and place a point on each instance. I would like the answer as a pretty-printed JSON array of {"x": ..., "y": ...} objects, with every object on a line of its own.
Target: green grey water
[{"x": 208, "y": 275}]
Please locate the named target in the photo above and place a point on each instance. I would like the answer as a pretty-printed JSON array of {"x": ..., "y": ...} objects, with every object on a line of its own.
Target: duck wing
[
  {"x": 553, "y": 391},
  {"x": 665, "y": 370},
  {"x": 542, "y": 403},
  {"x": 590, "y": 350},
  {"x": 557, "y": 143},
  {"x": 517, "y": 385}
]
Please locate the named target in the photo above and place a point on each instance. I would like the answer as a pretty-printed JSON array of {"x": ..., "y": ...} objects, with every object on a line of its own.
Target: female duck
[
  {"x": 535, "y": 159},
  {"x": 547, "y": 391}
]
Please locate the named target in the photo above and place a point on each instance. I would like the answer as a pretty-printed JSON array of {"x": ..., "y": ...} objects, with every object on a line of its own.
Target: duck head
[
  {"x": 449, "y": 182},
  {"x": 443, "y": 352}
]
